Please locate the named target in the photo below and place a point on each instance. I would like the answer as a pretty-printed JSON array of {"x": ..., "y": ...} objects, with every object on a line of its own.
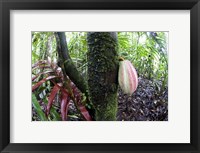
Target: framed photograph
[{"x": 99, "y": 76}]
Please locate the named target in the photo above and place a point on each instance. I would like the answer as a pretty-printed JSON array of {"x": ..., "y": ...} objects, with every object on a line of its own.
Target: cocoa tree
[{"x": 102, "y": 73}]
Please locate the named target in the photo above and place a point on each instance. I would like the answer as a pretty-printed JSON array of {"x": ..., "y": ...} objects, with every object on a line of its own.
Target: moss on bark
[
  {"x": 67, "y": 64},
  {"x": 70, "y": 69},
  {"x": 102, "y": 74}
]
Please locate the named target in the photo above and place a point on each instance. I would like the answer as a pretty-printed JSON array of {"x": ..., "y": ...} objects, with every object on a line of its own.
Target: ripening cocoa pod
[{"x": 127, "y": 77}]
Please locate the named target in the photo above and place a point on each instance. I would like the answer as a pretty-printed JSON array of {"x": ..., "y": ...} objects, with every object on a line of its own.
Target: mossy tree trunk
[
  {"x": 70, "y": 69},
  {"x": 103, "y": 73},
  {"x": 67, "y": 64}
]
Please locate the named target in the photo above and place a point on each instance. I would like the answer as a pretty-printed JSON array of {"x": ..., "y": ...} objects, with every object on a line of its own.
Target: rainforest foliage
[{"x": 60, "y": 82}]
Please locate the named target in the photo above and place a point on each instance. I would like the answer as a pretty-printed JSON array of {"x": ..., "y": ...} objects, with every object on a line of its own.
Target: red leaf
[
  {"x": 77, "y": 96},
  {"x": 64, "y": 101},
  {"x": 59, "y": 85},
  {"x": 51, "y": 98},
  {"x": 64, "y": 105},
  {"x": 33, "y": 78},
  {"x": 42, "y": 81},
  {"x": 84, "y": 112},
  {"x": 82, "y": 108},
  {"x": 39, "y": 63},
  {"x": 41, "y": 67}
]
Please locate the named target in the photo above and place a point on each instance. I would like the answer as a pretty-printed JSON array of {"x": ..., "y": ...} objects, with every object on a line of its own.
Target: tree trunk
[
  {"x": 67, "y": 63},
  {"x": 70, "y": 69},
  {"x": 103, "y": 73}
]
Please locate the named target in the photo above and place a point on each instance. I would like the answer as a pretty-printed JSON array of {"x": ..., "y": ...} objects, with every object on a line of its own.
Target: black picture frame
[{"x": 7, "y": 5}]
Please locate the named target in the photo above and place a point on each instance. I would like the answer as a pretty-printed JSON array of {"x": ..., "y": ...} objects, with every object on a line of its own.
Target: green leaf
[
  {"x": 55, "y": 115},
  {"x": 38, "y": 109}
]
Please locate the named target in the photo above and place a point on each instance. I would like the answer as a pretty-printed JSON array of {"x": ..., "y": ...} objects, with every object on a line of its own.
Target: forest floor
[{"x": 145, "y": 104}]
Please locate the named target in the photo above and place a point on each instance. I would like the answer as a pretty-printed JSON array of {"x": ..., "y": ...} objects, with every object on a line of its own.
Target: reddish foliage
[
  {"x": 39, "y": 63},
  {"x": 46, "y": 72},
  {"x": 68, "y": 93},
  {"x": 84, "y": 112},
  {"x": 64, "y": 105},
  {"x": 51, "y": 98},
  {"x": 42, "y": 81},
  {"x": 82, "y": 108}
]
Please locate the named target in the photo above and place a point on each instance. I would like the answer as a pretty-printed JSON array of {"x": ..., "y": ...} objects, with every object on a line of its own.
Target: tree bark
[
  {"x": 103, "y": 73},
  {"x": 70, "y": 69},
  {"x": 67, "y": 63}
]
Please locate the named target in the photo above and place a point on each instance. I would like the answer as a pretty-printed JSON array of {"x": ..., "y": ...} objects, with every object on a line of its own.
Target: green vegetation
[{"x": 56, "y": 96}]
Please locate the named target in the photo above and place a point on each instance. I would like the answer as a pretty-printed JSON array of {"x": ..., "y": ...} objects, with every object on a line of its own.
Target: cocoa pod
[{"x": 127, "y": 77}]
